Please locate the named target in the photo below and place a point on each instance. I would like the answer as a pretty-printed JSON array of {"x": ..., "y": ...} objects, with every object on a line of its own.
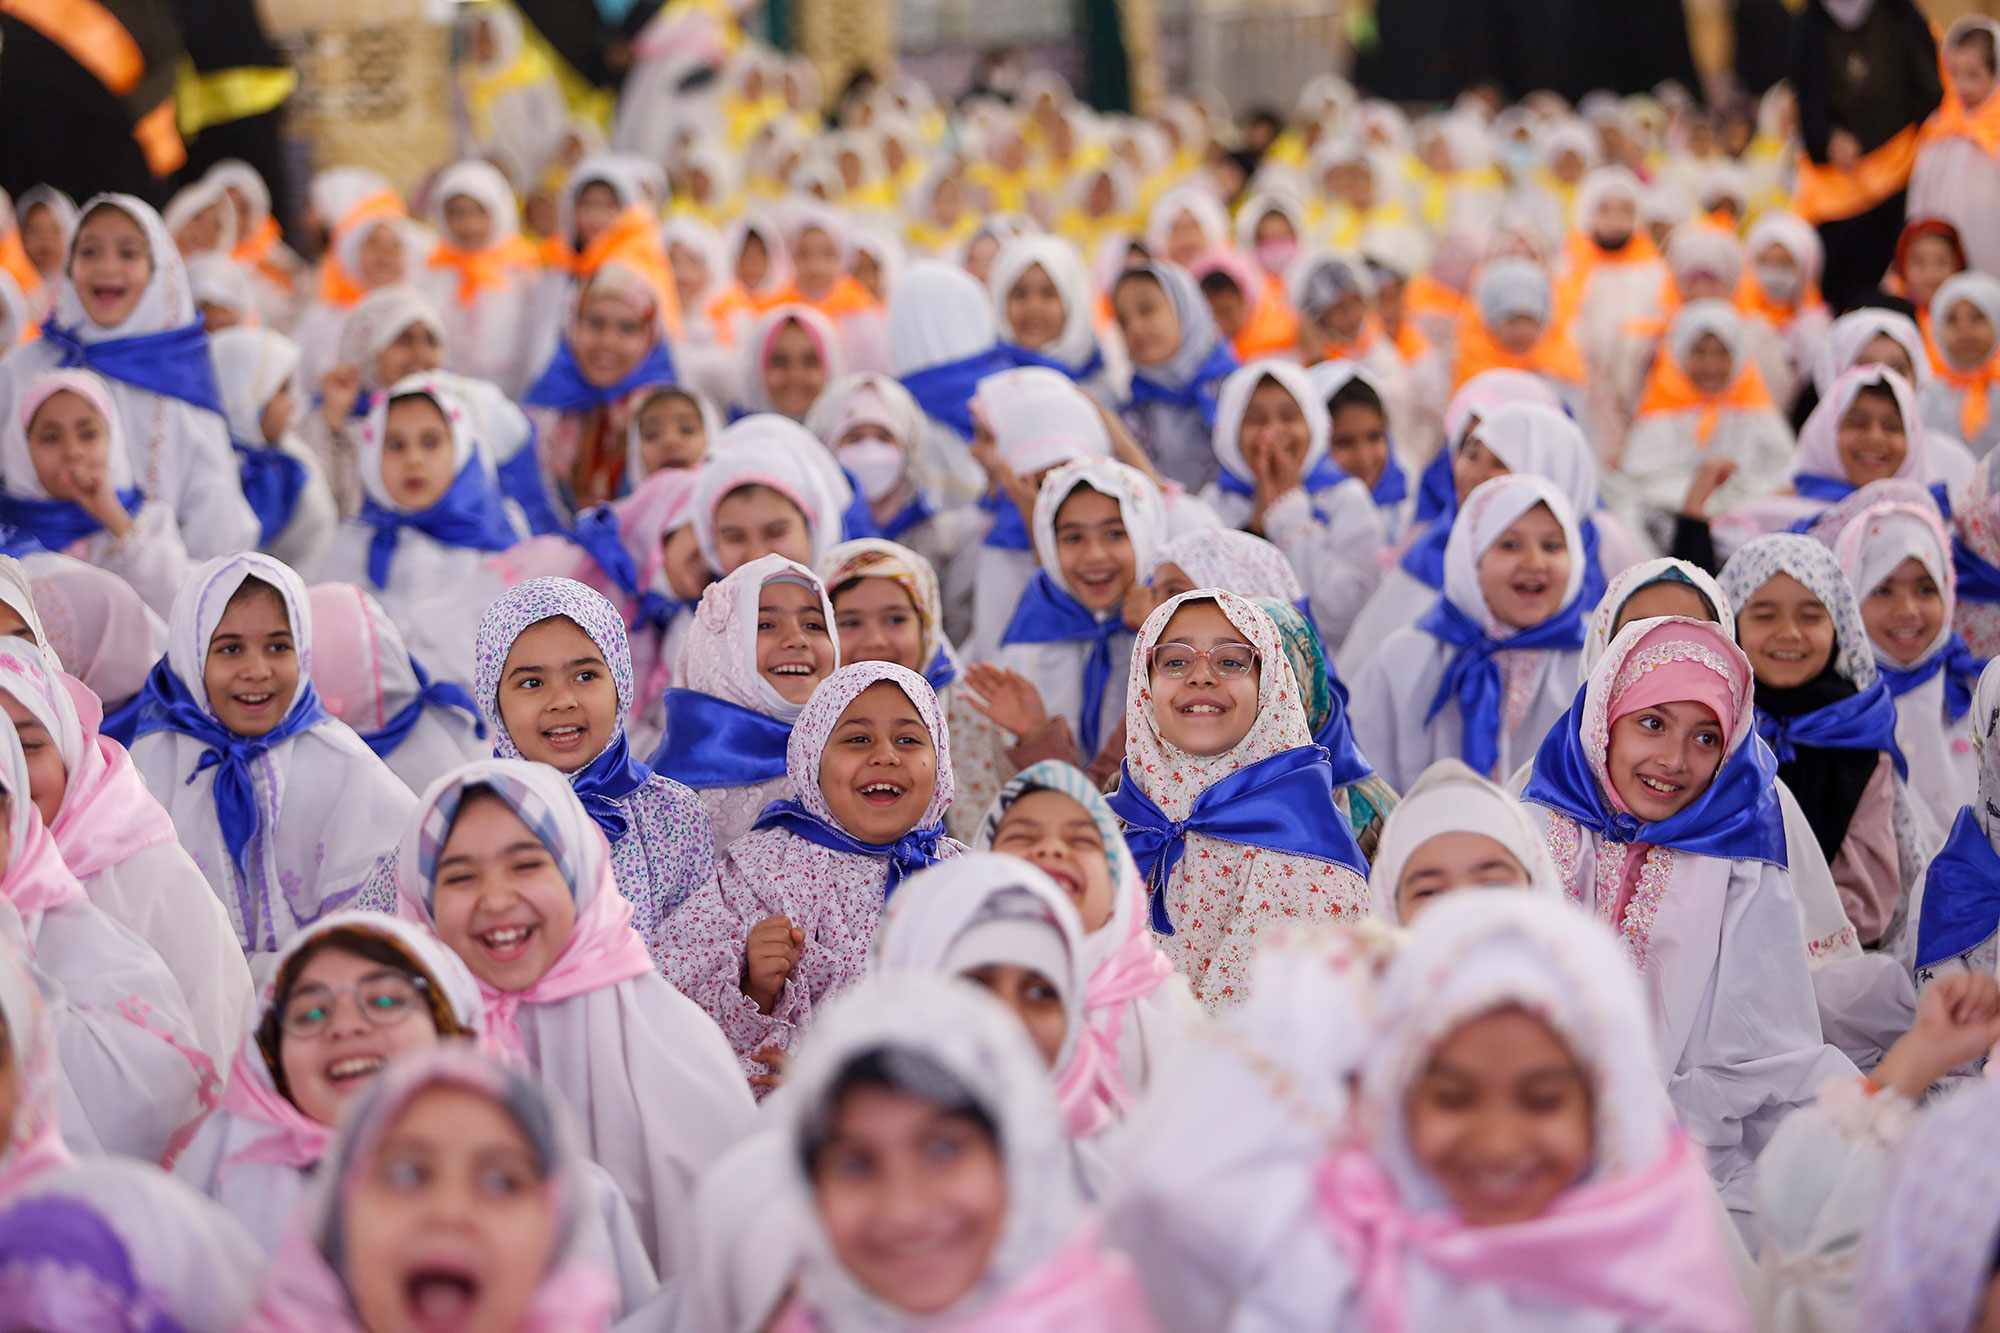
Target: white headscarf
[
  {"x": 1819, "y": 438},
  {"x": 1138, "y": 501},
  {"x": 1543, "y": 441},
  {"x": 1063, "y": 262},
  {"x": 1488, "y": 512},
  {"x": 774, "y": 451},
  {"x": 167, "y": 302},
  {"x": 17, "y": 462},
  {"x": 1855, "y": 330},
  {"x": 719, "y": 655},
  {"x": 1646, "y": 574},
  {"x": 1039, "y": 419},
  {"x": 483, "y": 183},
  {"x": 1233, "y": 399},
  {"x": 938, "y": 314},
  {"x": 1450, "y": 798},
  {"x": 1973, "y": 288},
  {"x": 251, "y": 365}
]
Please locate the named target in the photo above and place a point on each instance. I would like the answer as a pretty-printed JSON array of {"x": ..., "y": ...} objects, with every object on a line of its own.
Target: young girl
[
  {"x": 1455, "y": 830},
  {"x": 1661, "y": 587},
  {"x": 1178, "y": 363},
  {"x": 506, "y": 865},
  {"x": 673, "y": 428},
  {"x": 771, "y": 489},
  {"x": 68, "y": 483},
  {"x": 97, "y": 629},
  {"x": 921, "y": 1074},
  {"x": 1965, "y": 336},
  {"x": 1512, "y": 324},
  {"x": 373, "y": 245},
  {"x": 456, "y": 1185},
  {"x": 1956, "y": 178},
  {"x": 125, "y": 311},
  {"x": 817, "y": 242},
  {"x": 1489, "y": 669},
  {"x": 284, "y": 481},
  {"x": 791, "y": 355},
  {"x": 1781, "y": 289},
  {"x": 1822, "y": 706},
  {"x": 274, "y": 268},
  {"x": 788, "y": 922},
  {"x": 1042, "y": 305},
  {"x": 1227, "y": 802},
  {"x": 284, "y": 810},
  {"x": 1276, "y": 478},
  {"x": 1360, "y": 442},
  {"x": 1865, "y": 429},
  {"x": 421, "y": 728},
  {"x": 875, "y": 430},
  {"x": 482, "y": 274}
]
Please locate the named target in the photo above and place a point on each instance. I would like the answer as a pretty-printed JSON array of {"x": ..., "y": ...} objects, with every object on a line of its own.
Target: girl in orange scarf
[
  {"x": 1511, "y": 325},
  {"x": 481, "y": 275},
  {"x": 817, "y": 242},
  {"x": 1780, "y": 288},
  {"x": 1957, "y": 174},
  {"x": 1965, "y": 325}
]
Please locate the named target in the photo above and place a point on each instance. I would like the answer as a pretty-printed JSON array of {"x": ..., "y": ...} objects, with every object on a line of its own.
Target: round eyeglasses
[
  {"x": 1231, "y": 661},
  {"x": 384, "y": 999}
]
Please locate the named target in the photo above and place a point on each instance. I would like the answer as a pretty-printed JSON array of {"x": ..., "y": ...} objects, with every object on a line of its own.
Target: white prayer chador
[
  {"x": 487, "y": 324},
  {"x": 180, "y": 453},
  {"x": 1716, "y": 940},
  {"x": 326, "y": 807},
  {"x": 1332, "y": 534},
  {"x": 251, "y": 366},
  {"x": 742, "y": 1254},
  {"x": 1451, "y": 798},
  {"x": 651, "y": 1082},
  {"x": 1393, "y": 693}
]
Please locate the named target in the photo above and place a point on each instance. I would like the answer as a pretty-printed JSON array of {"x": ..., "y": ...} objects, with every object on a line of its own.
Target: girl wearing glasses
[{"x": 1228, "y": 804}]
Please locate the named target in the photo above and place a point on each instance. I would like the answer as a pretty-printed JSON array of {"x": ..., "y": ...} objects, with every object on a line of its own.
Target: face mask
[
  {"x": 877, "y": 466},
  {"x": 1780, "y": 280},
  {"x": 1516, "y": 158},
  {"x": 1277, "y": 256}
]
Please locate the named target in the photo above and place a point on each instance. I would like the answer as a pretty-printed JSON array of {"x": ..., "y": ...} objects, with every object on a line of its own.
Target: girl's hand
[
  {"x": 769, "y": 956},
  {"x": 1276, "y": 467},
  {"x": 92, "y": 487},
  {"x": 1958, "y": 1019},
  {"x": 1708, "y": 478},
  {"x": 1006, "y": 697},
  {"x": 777, "y": 1060},
  {"x": 339, "y": 391}
]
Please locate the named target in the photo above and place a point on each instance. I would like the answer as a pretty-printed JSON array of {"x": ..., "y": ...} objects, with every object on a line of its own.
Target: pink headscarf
[
  {"x": 36, "y": 1144},
  {"x": 36, "y": 879},
  {"x": 825, "y": 337},
  {"x": 95, "y": 625},
  {"x": 1649, "y": 679}
]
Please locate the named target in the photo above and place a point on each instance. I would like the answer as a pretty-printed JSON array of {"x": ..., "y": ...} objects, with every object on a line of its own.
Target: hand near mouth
[{"x": 769, "y": 956}]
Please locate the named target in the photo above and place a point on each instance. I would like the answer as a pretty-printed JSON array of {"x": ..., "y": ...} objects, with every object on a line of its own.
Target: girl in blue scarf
[
  {"x": 1179, "y": 360},
  {"x": 1361, "y": 444},
  {"x": 256, "y": 371}
]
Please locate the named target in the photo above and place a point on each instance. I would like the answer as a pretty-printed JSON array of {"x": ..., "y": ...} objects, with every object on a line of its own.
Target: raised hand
[{"x": 769, "y": 956}]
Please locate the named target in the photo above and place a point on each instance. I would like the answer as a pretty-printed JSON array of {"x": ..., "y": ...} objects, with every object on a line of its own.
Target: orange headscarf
[
  {"x": 1554, "y": 356},
  {"x": 1582, "y": 257},
  {"x": 846, "y": 297},
  {"x": 254, "y": 252},
  {"x": 14, "y": 259}
]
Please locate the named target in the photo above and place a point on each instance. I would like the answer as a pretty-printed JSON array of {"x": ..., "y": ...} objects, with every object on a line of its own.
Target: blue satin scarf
[
  {"x": 58, "y": 523},
  {"x": 1961, "y": 672},
  {"x": 1961, "y": 893},
  {"x": 1197, "y": 395},
  {"x": 710, "y": 742},
  {"x": 1283, "y": 804},
  {"x": 918, "y": 510},
  {"x": 906, "y": 855},
  {"x": 173, "y": 362},
  {"x": 1437, "y": 493},
  {"x": 272, "y": 481},
  {"x": 563, "y": 387},
  {"x": 1978, "y": 580},
  {"x": 1344, "y": 757},
  {"x": 1818, "y": 486},
  {"x": 1392, "y": 487},
  {"x": 430, "y": 694},
  {"x": 1738, "y": 818},
  {"x": 17, "y": 543},
  {"x": 596, "y": 531},
  {"x": 605, "y": 781},
  {"x": 1009, "y": 531},
  {"x": 859, "y": 520},
  {"x": 945, "y": 392},
  {"x": 1047, "y": 614},
  {"x": 469, "y": 513},
  {"x": 166, "y": 704},
  {"x": 1473, "y": 678},
  {"x": 522, "y": 482},
  {"x": 1865, "y": 720}
]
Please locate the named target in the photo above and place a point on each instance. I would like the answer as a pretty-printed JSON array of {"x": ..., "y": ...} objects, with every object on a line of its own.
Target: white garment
[
  {"x": 1662, "y": 451},
  {"x": 485, "y": 338},
  {"x": 1957, "y": 180}
]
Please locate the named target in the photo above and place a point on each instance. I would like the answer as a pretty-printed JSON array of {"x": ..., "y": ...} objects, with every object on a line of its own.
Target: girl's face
[
  {"x": 794, "y": 651},
  {"x": 252, "y": 668},
  {"x": 1093, "y": 549},
  {"x": 816, "y": 260},
  {"x": 1929, "y": 261},
  {"x": 1473, "y": 465},
  {"x": 690, "y": 273},
  {"x": 468, "y": 223},
  {"x": 416, "y": 452},
  {"x": 1055, "y": 834},
  {"x": 671, "y": 433},
  {"x": 501, "y": 903},
  {"x": 1035, "y": 308},
  {"x": 1204, "y": 679},
  {"x": 416, "y": 350},
  {"x": 595, "y": 210},
  {"x": 201, "y": 232},
  {"x": 1146, "y": 318},
  {"x": 1360, "y": 442},
  {"x": 1034, "y": 1000},
  {"x": 753, "y": 262},
  {"x": 1518, "y": 333},
  {"x": 381, "y": 257},
  {"x": 557, "y": 699},
  {"x": 878, "y": 622},
  {"x": 276, "y": 418},
  {"x": 1871, "y": 442},
  {"x": 345, "y": 1018},
  {"x": 687, "y": 573},
  {"x": 1971, "y": 72},
  {"x": 755, "y": 520},
  {"x": 1184, "y": 239},
  {"x": 1665, "y": 598},
  {"x": 1225, "y": 303},
  {"x": 879, "y": 769},
  {"x": 1882, "y": 350},
  {"x": 1903, "y": 612},
  {"x": 42, "y": 238},
  {"x": 452, "y": 1225},
  {"x": 1709, "y": 364},
  {"x": 867, "y": 271},
  {"x": 1273, "y": 420},
  {"x": 979, "y": 257},
  {"x": 70, "y": 445},
  {"x": 1500, "y": 1118},
  {"x": 12, "y": 626},
  {"x": 1968, "y": 335},
  {"x": 1617, "y": 217},
  {"x": 794, "y": 371},
  {"x": 110, "y": 265},
  {"x": 1661, "y": 759},
  {"x": 1455, "y": 860},
  {"x": 48, "y": 779},
  {"x": 612, "y": 337},
  {"x": 1169, "y": 582},
  {"x": 1525, "y": 572},
  {"x": 913, "y": 1198},
  {"x": 1786, "y": 632}
]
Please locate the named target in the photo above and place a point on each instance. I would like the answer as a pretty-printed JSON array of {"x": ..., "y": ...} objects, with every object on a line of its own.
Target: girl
[
  {"x": 789, "y": 920},
  {"x": 1611, "y": 271},
  {"x": 1956, "y": 178},
  {"x": 1487, "y": 670},
  {"x": 1276, "y": 479},
  {"x": 48, "y": 222},
  {"x": 455, "y": 1185},
  {"x": 260, "y": 246},
  {"x": 1663, "y": 818},
  {"x": 284, "y": 810},
  {"x": 791, "y": 354},
  {"x": 367, "y": 677},
  {"x": 431, "y": 518},
  {"x": 1455, "y": 830},
  {"x": 1781, "y": 289},
  {"x": 1965, "y": 336},
  {"x": 816, "y": 240},
  {"x": 125, "y": 311},
  {"x": 1893, "y": 549},
  {"x": 120, "y": 844},
  {"x": 1405, "y": 1102},
  {"x": 1227, "y": 802},
  {"x": 481, "y": 275},
  {"x": 68, "y": 483},
  {"x": 875, "y": 431},
  {"x": 256, "y": 371},
  {"x": 1824, "y": 709},
  {"x": 1042, "y": 305},
  {"x": 1513, "y": 324},
  {"x": 97, "y": 628},
  {"x": 1662, "y": 587},
  {"x": 920, "y": 1074},
  {"x": 504, "y": 863},
  {"x": 1359, "y": 440},
  {"x": 1865, "y": 429},
  {"x": 771, "y": 489},
  {"x": 672, "y": 429},
  {"x": 1178, "y": 362},
  {"x": 375, "y": 245}
]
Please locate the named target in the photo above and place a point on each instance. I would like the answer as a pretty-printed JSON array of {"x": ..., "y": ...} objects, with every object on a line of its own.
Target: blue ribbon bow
[
  {"x": 1865, "y": 720},
  {"x": 906, "y": 855},
  {"x": 469, "y": 513},
  {"x": 1961, "y": 672},
  {"x": 430, "y": 694},
  {"x": 1197, "y": 395},
  {"x": 1961, "y": 893},
  {"x": 563, "y": 387},
  {"x": 605, "y": 781},
  {"x": 710, "y": 742},
  {"x": 1283, "y": 803},
  {"x": 1472, "y": 677},
  {"x": 940, "y": 672},
  {"x": 57, "y": 524},
  {"x": 272, "y": 482},
  {"x": 173, "y": 362},
  {"x": 945, "y": 391},
  {"x": 1047, "y": 614}
]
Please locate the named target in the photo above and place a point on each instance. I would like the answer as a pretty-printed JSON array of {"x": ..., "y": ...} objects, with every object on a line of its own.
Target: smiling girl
[
  {"x": 483, "y": 274},
  {"x": 792, "y": 354},
  {"x": 1455, "y": 830},
  {"x": 1965, "y": 336},
  {"x": 1042, "y": 303},
  {"x": 771, "y": 489},
  {"x": 1179, "y": 360}
]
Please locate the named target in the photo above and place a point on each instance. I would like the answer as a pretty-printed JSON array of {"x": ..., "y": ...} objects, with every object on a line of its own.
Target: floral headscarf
[
  {"x": 1233, "y": 561},
  {"x": 1814, "y": 566},
  {"x": 719, "y": 656}
]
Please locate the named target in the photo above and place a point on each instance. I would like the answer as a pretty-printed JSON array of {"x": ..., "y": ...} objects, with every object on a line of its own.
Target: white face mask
[
  {"x": 877, "y": 466},
  {"x": 1782, "y": 281}
]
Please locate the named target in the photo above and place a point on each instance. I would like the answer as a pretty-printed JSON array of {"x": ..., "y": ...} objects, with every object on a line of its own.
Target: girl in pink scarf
[{"x": 1338, "y": 1161}]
